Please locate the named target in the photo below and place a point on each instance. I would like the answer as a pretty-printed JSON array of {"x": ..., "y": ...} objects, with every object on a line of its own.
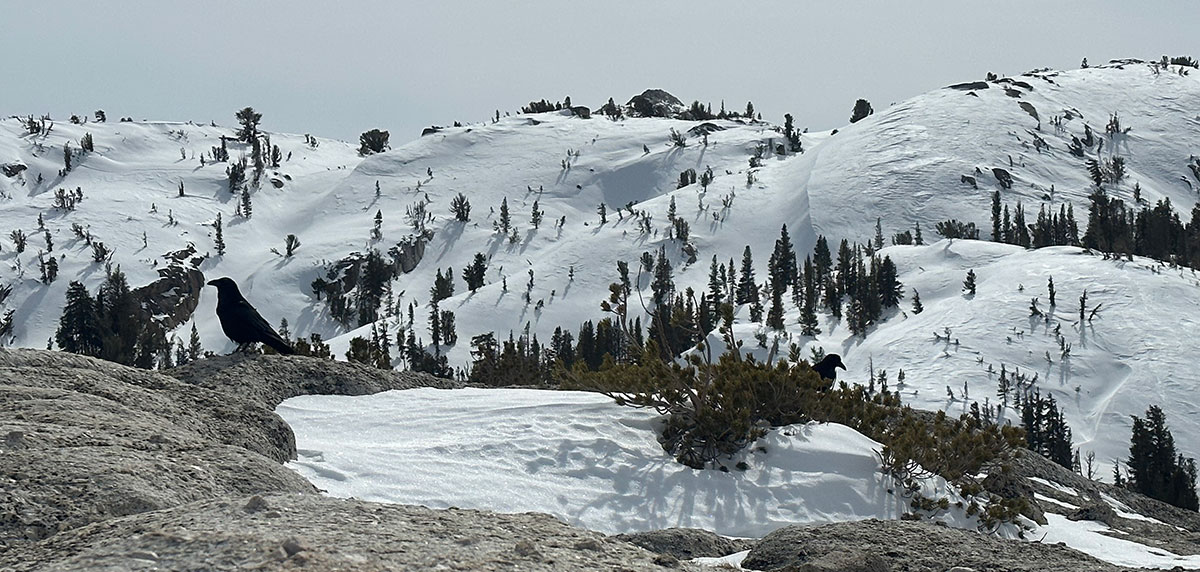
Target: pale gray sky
[{"x": 336, "y": 69}]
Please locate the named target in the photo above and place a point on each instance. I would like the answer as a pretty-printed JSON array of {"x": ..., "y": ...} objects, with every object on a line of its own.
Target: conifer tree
[
  {"x": 996, "y": 235},
  {"x": 219, "y": 237},
  {"x": 663, "y": 285},
  {"x": 890, "y": 289},
  {"x": 194, "y": 349},
  {"x": 475, "y": 273},
  {"x": 822, "y": 261},
  {"x": 535, "y": 218},
  {"x": 505, "y": 222},
  {"x": 1155, "y": 469},
  {"x": 747, "y": 290},
  {"x": 862, "y": 108},
  {"x": 969, "y": 283},
  {"x": 782, "y": 265},
  {"x": 808, "y": 310},
  {"x": 917, "y": 308},
  {"x": 461, "y": 207},
  {"x": 79, "y": 329},
  {"x": 248, "y": 119},
  {"x": 716, "y": 290},
  {"x": 1021, "y": 236}
]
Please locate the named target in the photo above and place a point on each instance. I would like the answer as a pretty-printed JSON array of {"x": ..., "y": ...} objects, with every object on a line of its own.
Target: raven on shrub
[
  {"x": 828, "y": 365},
  {"x": 241, "y": 322}
]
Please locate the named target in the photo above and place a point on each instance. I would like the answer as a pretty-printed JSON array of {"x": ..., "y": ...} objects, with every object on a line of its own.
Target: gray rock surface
[
  {"x": 910, "y": 546},
  {"x": 286, "y": 532},
  {"x": 686, "y": 543}
]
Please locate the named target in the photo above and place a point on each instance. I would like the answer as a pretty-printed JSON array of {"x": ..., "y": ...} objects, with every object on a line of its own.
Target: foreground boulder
[
  {"x": 281, "y": 531},
  {"x": 879, "y": 545}
]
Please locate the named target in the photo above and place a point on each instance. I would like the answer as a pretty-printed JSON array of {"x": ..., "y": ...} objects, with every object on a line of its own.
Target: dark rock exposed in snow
[
  {"x": 686, "y": 543},
  {"x": 909, "y": 545},
  {"x": 655, "y": 103}
]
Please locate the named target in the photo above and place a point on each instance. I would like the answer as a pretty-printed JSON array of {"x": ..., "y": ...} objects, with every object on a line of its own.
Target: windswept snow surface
[{"x": 584, "y": 459}]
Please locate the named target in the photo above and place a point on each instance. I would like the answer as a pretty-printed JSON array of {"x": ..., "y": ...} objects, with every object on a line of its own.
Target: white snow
[
  {"x": 1056, "y": 486},
  {"x": 1085, "y": 536},
  {"x": 584, "y": 459}
]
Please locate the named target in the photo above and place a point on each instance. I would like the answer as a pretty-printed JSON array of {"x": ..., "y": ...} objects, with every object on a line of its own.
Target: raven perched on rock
[
  {"x": 828, "y": 365},
  {"x": 241, "y": 322}
]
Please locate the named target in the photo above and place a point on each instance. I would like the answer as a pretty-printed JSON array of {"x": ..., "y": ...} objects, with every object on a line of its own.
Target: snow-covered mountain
[{"x": 903, "y": 165}]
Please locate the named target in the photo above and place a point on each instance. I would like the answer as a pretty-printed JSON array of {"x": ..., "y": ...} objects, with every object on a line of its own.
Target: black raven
[
  {"x": 241, "y": 322},
  {"x": 828, "y": 365}
]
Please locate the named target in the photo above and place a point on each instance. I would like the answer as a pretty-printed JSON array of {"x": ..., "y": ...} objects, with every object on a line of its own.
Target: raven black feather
[
  {"x": 828, "y": 365},
  {"x": 241, "y": 322}
]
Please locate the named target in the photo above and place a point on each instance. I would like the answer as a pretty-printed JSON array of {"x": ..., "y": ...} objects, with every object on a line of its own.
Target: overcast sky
[{"x": 336, "y": 69}]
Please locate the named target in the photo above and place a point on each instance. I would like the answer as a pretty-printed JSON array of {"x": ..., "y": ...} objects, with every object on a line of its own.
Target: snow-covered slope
[
  {"x": 902, "y": 164},
  {"x": 905, "y": 163}
]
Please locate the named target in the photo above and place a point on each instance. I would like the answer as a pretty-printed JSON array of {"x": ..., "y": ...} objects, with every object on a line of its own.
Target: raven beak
[{"x": 841, "y": 365}]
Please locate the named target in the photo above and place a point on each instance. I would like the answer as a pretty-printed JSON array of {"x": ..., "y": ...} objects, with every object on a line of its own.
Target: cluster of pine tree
[
  {"x": 1154, "y": 232},
  {"x": 112, "y": 325},
  {"x": 543, "y": 106},
  {"x": 1155, "y": 469},
  {"x": 1046, "y": 429}
]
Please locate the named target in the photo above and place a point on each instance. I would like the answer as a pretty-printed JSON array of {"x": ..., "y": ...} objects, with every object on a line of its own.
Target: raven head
[{"x": 225, "y": 285}]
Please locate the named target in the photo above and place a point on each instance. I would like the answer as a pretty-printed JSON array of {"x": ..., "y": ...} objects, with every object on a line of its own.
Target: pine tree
[
  {"x": 219, "y": 237},
  {"x": 248, "y": 119},
  {"x": 969, "y": 283},
  {"x": 120, "y": 321},
  {"x": 246, "y": 206},
  {"x": 917, "y": 238},
  {"x": 775, "y": 313},
  {"x": 822, "y": 261},
  {"x": 505, "y": 222},
  {"x": 79, "y": 329},
  {"x": 862, "y": 108},
  {"x": 747, "y": 290},
  {"x": 535, "y": 218},
  {"x": 663, "y": 286},
  {"x": 716, "y": 290},
  {"x": 782, "y": 265},
  {"x": 1021, "y": 237},
  {"x": 996, "y": 234},
  {"x": 1155, "y": 469},
  {"x": 461, "y": 207},
  {"x": 475, "y": 273},
  {"x": 890, "y": 289},
  {"x": 808, "y": 311},
  {"x": 194, "y": 349},
  {"x": 878, "y": 233},
  {"x": 917, "y": 308}
]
